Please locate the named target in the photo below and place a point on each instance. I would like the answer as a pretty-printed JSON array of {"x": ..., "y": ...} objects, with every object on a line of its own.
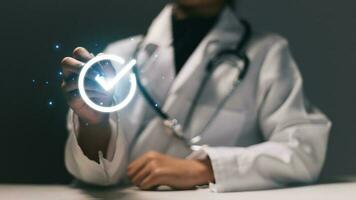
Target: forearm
[{"x": 93, "y": 138}]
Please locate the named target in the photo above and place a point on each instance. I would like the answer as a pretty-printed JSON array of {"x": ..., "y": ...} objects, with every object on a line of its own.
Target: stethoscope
[{"x": 173, "y": 124}]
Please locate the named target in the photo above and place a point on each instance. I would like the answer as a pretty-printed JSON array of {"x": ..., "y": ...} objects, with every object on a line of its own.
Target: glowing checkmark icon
[{"x": 108, "y": 84}]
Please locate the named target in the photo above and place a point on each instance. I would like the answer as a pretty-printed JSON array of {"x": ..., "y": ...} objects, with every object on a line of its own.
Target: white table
[{"x": 335, "y": 191}]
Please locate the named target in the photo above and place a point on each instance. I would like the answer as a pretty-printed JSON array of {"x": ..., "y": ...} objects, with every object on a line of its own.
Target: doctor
[{"x": 262, "y": 134}]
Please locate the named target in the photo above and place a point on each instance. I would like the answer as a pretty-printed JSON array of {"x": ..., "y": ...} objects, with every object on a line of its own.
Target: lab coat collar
[
  {"x": 227, "y": 29},
  {"x": 160, "y": 31}
]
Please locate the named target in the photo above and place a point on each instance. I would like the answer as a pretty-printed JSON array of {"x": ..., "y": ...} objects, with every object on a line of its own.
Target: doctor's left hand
[{"x": 153, "y": 169}]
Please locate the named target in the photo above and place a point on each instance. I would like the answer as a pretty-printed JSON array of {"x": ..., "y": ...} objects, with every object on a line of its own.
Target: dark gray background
[{"x": 32, "y": 133}]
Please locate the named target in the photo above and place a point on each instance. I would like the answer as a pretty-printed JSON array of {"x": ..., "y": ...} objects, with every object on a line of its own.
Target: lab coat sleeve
[
  {"x": 108, "y": 171},
  {"x": 295, "y": 133}
]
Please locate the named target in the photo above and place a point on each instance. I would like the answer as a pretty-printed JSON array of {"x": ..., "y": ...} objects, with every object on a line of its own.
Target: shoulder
[
  {"x": 269, "y": 55},
  {"x": 267, "y": 41},
  {"x": 124, "y": 47},
  {"x": 269, "y": 51},
  {"x": 264, "y": 47},
  {"x": 274, "y": 63}
]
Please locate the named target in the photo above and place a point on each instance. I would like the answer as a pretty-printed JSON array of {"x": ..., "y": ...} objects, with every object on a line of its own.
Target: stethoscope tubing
[{"x": 172, "y": 123}]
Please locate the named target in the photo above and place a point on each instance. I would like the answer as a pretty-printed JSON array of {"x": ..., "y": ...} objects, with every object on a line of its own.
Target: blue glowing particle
[
  {"x": 156, "y": 105},
  {"x": 50, "y": 103},
  {"x": 56, "y": 46},
  {"x": 46, "y": 82},
  {"x": 60, "y": 73},
  {"x": 101, "y": 103},
  {"x": 33, "y": 80}
]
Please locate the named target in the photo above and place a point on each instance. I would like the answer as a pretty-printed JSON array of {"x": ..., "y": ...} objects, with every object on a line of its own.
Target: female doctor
[{"x": 256, "y": 133}]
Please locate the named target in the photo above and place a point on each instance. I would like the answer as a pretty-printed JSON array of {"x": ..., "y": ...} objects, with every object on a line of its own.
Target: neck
[{"x": 182, "y": 12}]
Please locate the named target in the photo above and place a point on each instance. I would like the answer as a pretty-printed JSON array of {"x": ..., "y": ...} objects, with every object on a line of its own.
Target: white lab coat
[{"x": 267, "y": 134}]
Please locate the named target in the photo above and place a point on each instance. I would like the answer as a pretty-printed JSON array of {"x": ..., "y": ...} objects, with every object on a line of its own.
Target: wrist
[
  {"x": 205, "y": 174},
  {"x": 94, "y": 137}
]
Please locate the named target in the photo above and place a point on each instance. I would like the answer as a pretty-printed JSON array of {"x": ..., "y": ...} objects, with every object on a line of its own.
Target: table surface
[{"x": 344, "y": 191}]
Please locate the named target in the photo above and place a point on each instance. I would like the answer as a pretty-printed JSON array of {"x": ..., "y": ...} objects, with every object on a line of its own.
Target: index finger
[
  {"x": 136, "y": 165},
  {"x": 82, "y": 54}
]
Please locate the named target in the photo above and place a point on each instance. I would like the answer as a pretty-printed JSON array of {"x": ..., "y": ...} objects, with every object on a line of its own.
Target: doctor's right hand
[{"x": 71, "y": 67}]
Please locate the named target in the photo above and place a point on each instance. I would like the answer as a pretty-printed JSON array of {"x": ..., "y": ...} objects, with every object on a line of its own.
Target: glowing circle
[{"x": 84, "y": 95}]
